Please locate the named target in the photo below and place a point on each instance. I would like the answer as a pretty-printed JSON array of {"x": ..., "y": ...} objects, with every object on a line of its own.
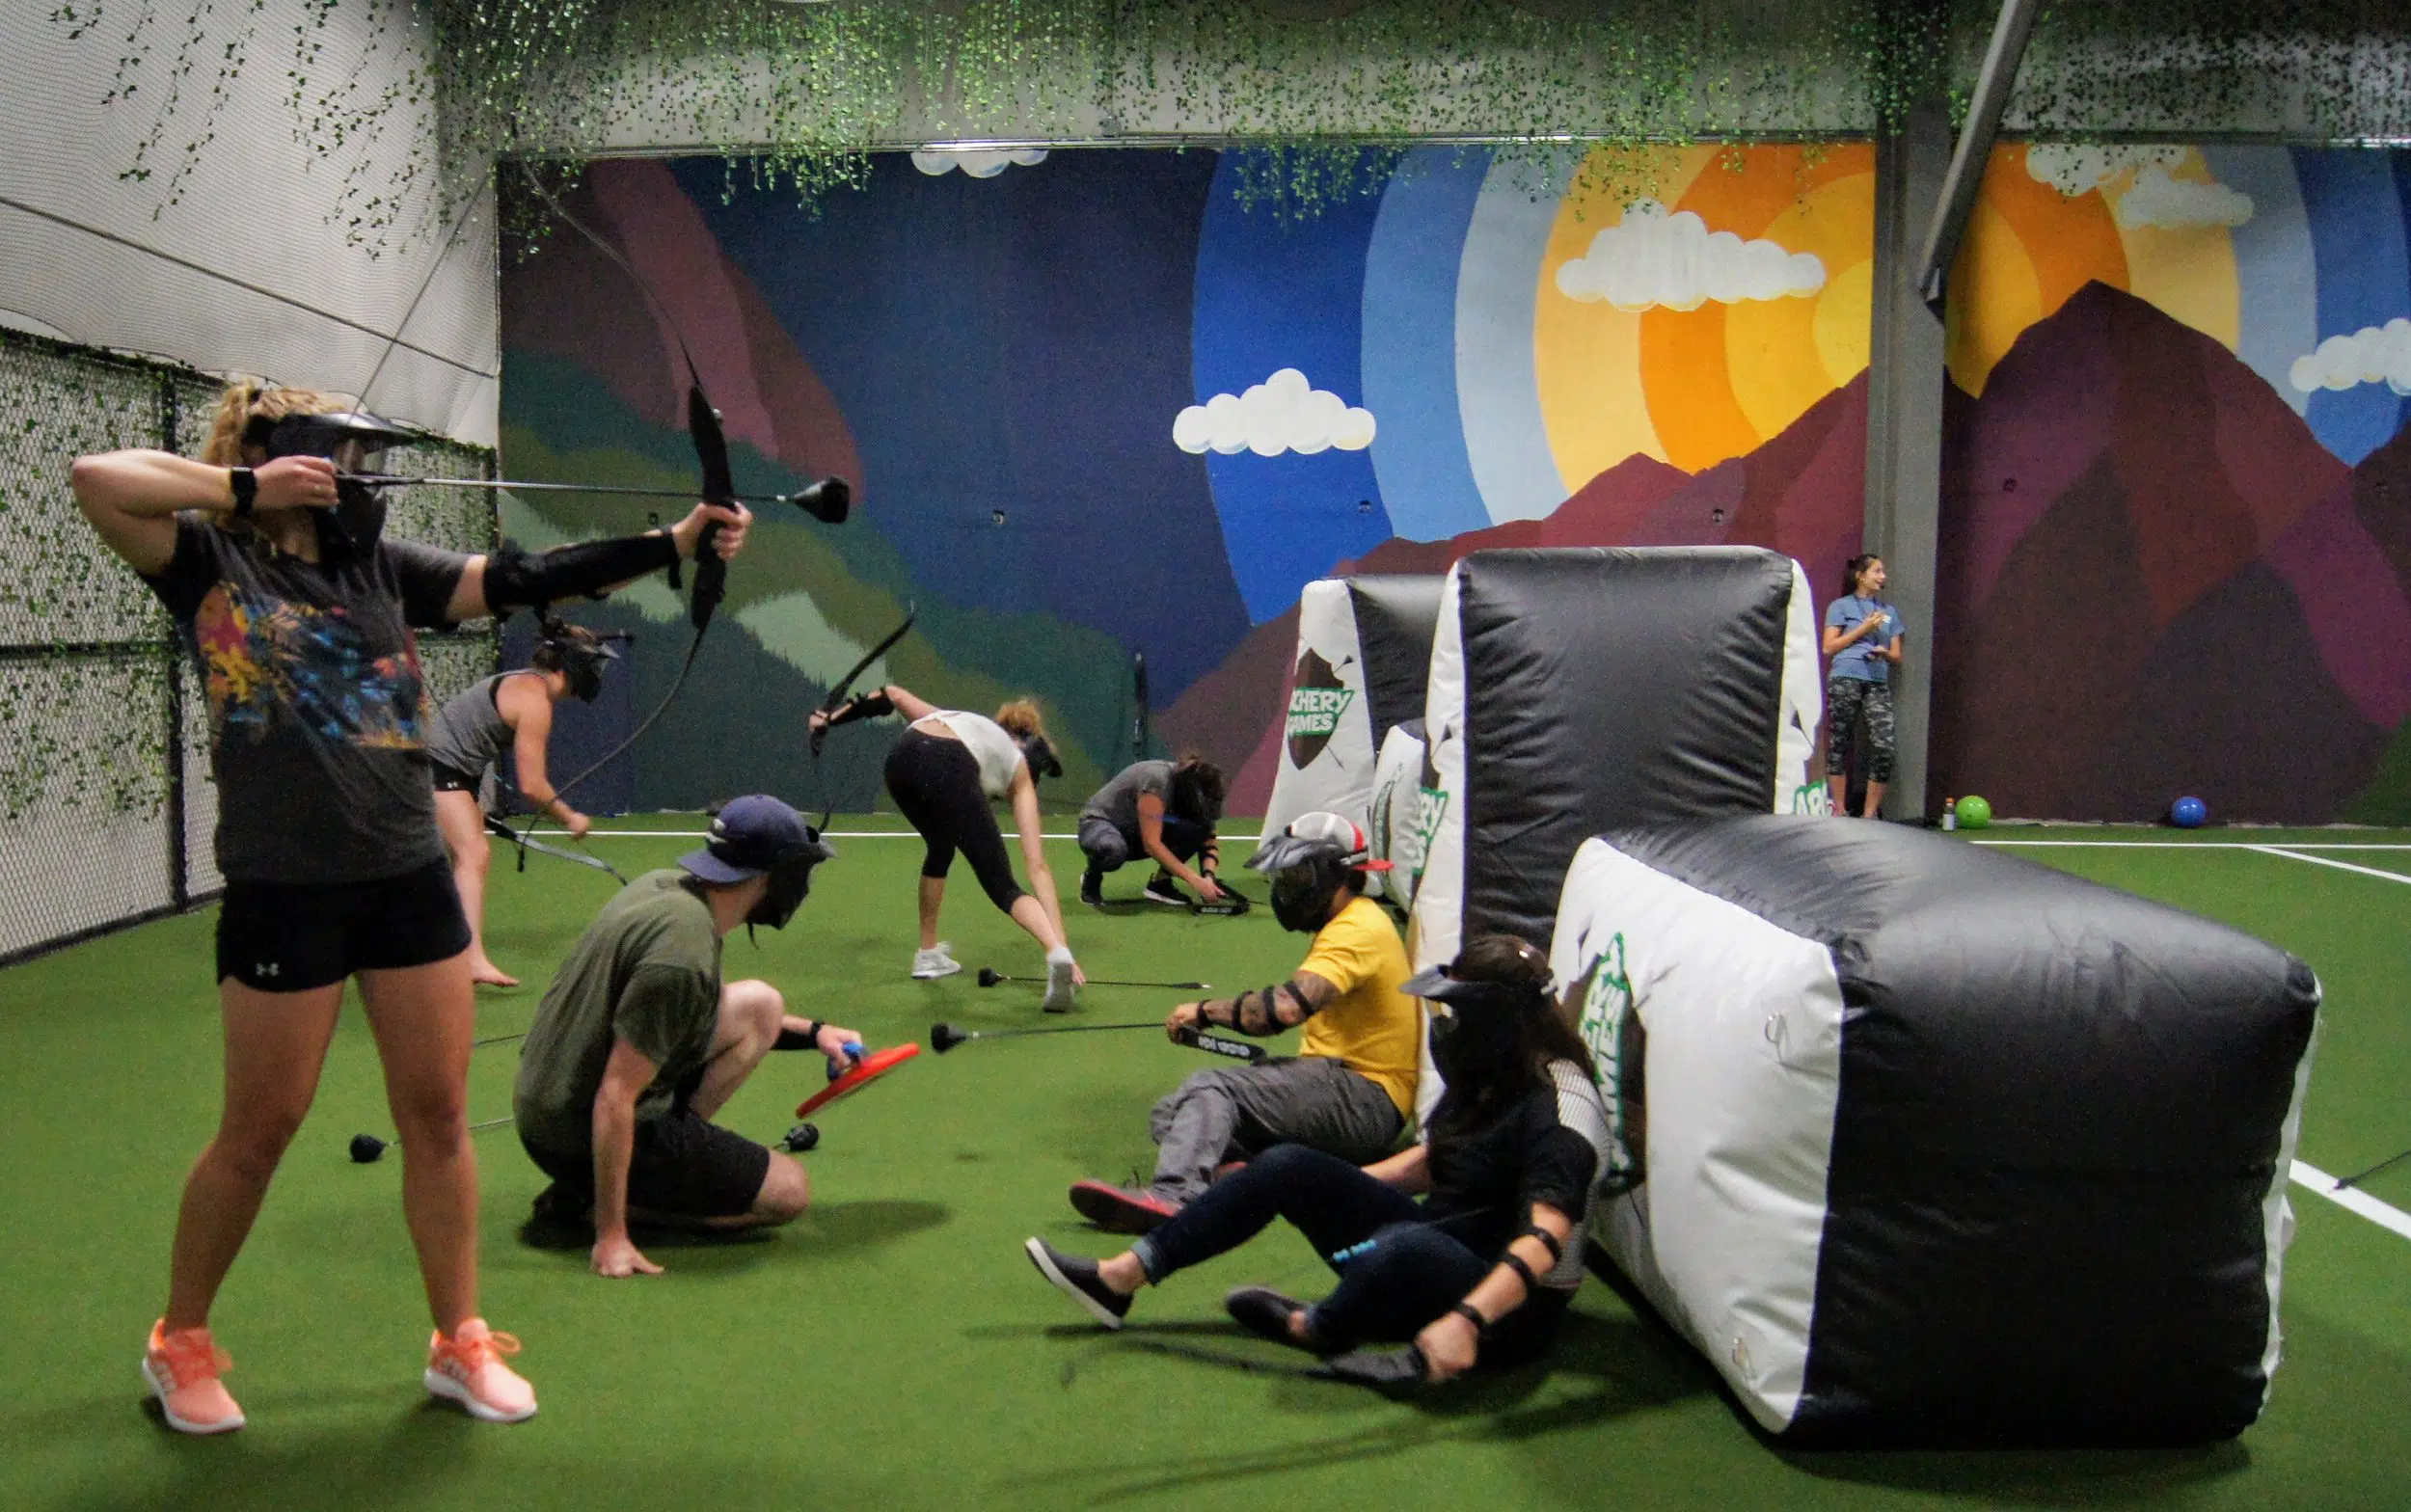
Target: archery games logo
[
  {"x": 1611, "y": 1030},
  {"x": 1317, "y": 700}
]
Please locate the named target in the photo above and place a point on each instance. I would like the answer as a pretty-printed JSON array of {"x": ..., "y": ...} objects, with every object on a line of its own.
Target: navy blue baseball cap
[{"x": 748, "y": 835}]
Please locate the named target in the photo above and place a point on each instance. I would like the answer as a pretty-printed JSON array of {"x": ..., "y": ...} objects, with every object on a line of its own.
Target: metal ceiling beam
[{"x": 1974, "y": 147}]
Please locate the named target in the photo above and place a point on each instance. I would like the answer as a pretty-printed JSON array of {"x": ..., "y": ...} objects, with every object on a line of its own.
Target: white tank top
[{"x": 994, "y": 749}]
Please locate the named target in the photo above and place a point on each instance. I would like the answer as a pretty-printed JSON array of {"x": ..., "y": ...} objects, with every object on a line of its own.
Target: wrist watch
[{"x": 244, "y": 484}]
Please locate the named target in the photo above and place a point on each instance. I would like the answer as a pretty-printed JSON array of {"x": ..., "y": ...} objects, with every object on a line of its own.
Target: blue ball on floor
[{"x": 2188, "y": 812}]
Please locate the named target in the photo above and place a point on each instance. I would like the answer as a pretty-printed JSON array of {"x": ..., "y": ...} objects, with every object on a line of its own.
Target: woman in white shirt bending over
[{"x": 942, "y": 775}]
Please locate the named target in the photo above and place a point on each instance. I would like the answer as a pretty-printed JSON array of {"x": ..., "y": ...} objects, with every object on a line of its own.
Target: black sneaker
[
  {"x": 1265, "y": 1314},
  {"x": 1093, "y": 889},
  {"x": 1078, "y": 1279},
  {"x": 1164, "y": 889}
]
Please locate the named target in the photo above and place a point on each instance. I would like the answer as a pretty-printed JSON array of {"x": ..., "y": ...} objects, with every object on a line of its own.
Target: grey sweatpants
[{"x": 1235, "y": 1112}]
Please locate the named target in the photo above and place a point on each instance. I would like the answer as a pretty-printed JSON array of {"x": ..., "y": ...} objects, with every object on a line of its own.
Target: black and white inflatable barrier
[
  {"x": 1363, "y": 646},
  {"x": 1922, "y": 1145},
  {"x": 1581, "y": 690},
  {"x": 1401, "y": 809}
]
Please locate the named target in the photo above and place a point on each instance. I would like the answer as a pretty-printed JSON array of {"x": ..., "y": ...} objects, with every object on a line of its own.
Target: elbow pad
[{"x": 517, "y": 579}]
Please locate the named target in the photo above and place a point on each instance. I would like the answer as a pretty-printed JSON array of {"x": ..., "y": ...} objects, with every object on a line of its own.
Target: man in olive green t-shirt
[{"x": 638, "y": 1043}]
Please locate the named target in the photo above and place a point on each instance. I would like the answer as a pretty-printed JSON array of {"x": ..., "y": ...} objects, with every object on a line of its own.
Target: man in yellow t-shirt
[{"x": 1350, "y": 1089}]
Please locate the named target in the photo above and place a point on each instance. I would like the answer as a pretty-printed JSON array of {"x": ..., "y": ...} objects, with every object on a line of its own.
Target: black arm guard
[
  {"x": 1548, "y": 1241},
  {"x": 515, "y": 580},
  {"x": 1258, "y": 1015},
  {"x": 862, "y": 706}
]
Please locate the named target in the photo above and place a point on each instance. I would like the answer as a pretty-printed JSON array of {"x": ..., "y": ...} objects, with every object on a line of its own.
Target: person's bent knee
[
  {"x": 756, "y": 1003},
  {"x": 476, "y": 855},
  {"x": 1286, "y": 1159},
  {"x": 786, "y": 1192}
]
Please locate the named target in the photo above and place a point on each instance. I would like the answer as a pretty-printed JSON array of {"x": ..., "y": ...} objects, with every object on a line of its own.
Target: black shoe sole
[
  {"x": 1114, "y": 1214},
  {"x": 1037, "y": 1251},
  {"x": 1265, "y": 1314}
]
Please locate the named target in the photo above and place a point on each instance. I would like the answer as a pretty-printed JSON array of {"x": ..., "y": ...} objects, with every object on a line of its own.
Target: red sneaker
[
  {"x": 468, "y": 1368},
  {"x": 1120, "y": 1209},
  {"x": 183, "y": 1368}
]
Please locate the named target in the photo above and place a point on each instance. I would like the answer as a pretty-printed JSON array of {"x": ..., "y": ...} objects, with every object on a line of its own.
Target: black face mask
[
  {"x": 1039, "y": 752},
  {"x": 790, "y": 880},
  {"x": 1302, "y": 894},
  {"x": 1474, "y": 1046},
  {"x": 1191, "y": 801},
  {"x": 354, "y": 443}
]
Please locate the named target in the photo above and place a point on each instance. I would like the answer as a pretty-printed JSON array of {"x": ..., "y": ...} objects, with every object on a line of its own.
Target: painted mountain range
[
  {"x": 2154, "y": 581},
  {"x": 1802, "y": 493}
]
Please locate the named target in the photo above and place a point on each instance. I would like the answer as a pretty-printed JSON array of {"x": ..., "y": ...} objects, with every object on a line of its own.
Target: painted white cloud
[
  {"x": 2372, "y": 354},
  {"x": 2174, "y": 204},
  {"x": 1672, "y": 260},
  {"x": 980, "y": 162},
  {"x": 1285, "y": 412},
  {"x": 2075, "y": 167}
]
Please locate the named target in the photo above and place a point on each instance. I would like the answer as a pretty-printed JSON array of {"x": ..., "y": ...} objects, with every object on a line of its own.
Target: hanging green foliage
[{"x": 801, "y": 92}]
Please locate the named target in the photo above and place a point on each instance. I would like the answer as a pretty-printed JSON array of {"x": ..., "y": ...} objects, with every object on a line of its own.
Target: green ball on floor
[{"x": 1975, "y": 813}]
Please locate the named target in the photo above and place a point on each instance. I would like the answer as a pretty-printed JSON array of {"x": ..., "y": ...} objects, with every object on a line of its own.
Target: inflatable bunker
[
  {"x": 1581, "y": 690},
  {"x": 1364, "y": 645},
  {"x": 1402, "y": 788},
  {"x": 1925, "y": 1146}
]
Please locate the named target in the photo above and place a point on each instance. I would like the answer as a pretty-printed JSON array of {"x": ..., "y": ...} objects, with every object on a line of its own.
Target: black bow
[{"x": 837, "y": 695}]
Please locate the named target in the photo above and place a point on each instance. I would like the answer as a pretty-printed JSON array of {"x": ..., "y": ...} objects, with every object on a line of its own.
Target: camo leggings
[{"x": 1848, "y": 702}]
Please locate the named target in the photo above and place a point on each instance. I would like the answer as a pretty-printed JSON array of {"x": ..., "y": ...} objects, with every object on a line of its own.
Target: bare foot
[{"x": 486, "y": 974}]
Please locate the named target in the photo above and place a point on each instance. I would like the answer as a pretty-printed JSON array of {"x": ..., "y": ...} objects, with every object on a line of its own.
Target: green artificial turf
[{"x": 895, "y": 1349}]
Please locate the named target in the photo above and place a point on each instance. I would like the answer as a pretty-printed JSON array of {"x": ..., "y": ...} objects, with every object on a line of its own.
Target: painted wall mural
[
  {"x": 2177, "y": 516},
  {"x": 1094, "y": 405}
]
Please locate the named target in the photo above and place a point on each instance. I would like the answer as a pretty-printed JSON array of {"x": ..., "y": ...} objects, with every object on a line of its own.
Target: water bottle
[{"x": 1950, "y": 813}]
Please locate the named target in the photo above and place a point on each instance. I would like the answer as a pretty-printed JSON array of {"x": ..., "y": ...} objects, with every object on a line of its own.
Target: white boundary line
[
  {"x": 2352, "y": 1199},
  {"x": 2196, "y": 844},
  {"x": 2341, "y": 866}
]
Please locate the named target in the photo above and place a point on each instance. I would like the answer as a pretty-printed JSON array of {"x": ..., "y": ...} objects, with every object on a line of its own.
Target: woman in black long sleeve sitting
[{"x": 1484, "y": 1265}]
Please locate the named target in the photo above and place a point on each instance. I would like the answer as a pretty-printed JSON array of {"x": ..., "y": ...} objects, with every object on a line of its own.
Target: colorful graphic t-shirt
[
  {"x": 315, "y": 702},
  {"x": 1374, "y": 1029}
]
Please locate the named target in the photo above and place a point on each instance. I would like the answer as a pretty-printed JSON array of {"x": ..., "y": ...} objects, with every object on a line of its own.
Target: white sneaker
[
  {"x": 1060, "y": 985},
  {"x": 928, "y": 965}
]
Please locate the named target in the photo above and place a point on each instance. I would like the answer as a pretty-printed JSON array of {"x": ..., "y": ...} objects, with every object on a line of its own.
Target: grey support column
[
  {"x": 1905, "y": 427},
  {"x": 1925, "y": 193}
]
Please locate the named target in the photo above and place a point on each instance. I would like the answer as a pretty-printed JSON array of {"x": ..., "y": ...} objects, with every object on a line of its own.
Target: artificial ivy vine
[{"x": 1327, "y": 90}]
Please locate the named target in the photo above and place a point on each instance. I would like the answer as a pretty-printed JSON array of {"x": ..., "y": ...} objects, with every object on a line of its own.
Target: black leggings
[
  {"x": 936, "y": 783},
  {"x": 1398, "y": 1268}
]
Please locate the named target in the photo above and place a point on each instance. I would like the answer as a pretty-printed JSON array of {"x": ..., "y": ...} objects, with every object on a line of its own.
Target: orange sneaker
[
  {"x": 468, "y": 1368},
  {"x": 183, "y": 1370}
]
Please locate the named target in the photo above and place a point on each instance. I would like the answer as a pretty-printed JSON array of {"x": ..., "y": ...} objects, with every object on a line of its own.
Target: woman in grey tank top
[{"x": 510, "y": 711}]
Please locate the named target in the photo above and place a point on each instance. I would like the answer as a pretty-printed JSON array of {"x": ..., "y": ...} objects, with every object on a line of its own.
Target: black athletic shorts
[
  {"x": 292, "y": 936},
  {"x": 680, "y": 1164},
  {"x": 451, "y": 779}
]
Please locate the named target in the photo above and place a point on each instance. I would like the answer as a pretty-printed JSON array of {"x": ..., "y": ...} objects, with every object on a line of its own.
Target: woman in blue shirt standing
[{"x": 1862, "y": 634}]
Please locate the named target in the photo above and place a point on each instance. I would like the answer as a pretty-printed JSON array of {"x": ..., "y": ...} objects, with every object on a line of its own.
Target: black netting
[
  {"x": 83, "y": 792},
  {"x": 99, "y": 707},
  {"x": 61, "y": 584}
]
